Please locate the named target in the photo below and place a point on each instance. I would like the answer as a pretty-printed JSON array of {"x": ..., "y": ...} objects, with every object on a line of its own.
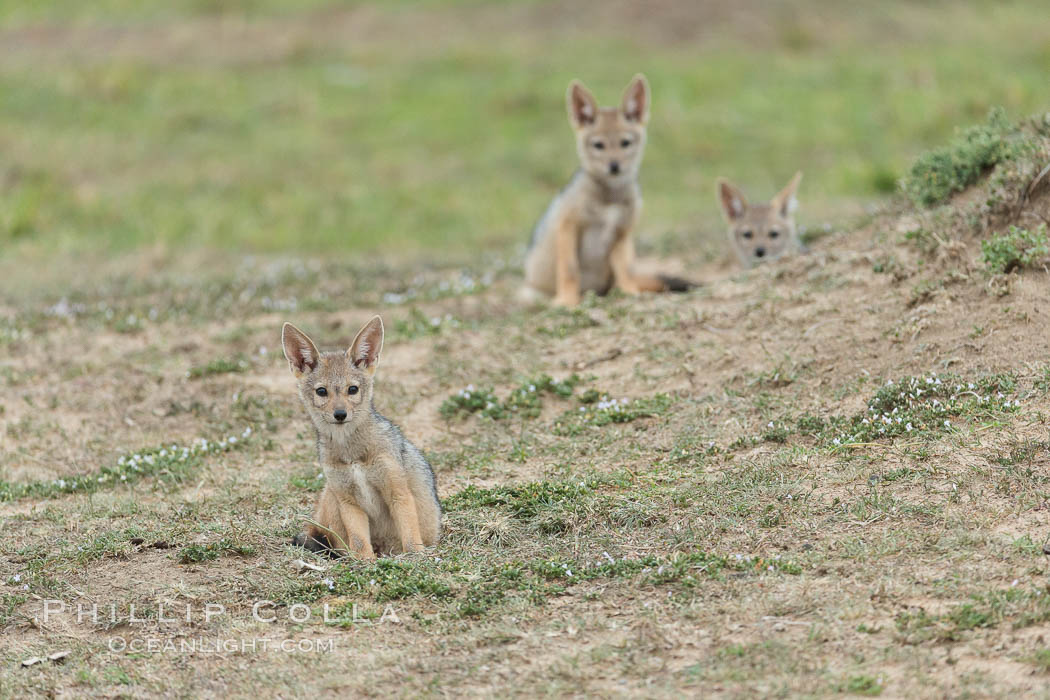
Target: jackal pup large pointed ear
[
  {"x": 583, "y": 108},
  {"x": 732, "y": 199},
  {"x": 299, "y": 350},
  {"x": 364, "y": 351},
  {"x": 635, "y": 103},
  {"x": 785, "y": 202}
]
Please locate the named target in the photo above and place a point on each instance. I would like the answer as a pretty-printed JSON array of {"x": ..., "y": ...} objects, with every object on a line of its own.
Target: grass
[
  {"x": 1015, "y": 608},
  {"x": 1017, "y": 249},
  {"x": 467, "y": 592},
  {"x": 606, "y": 411},
  {"x": 526, "y": 401},
  {"x": 172, "y": 463},
  {"x": 910, "y": 406},
  {"x": 863, "y": 685},
  {"x": 222, "y": 365},
  {"x": 197, "y": 553},
  {"x": 941, "y": 172}
]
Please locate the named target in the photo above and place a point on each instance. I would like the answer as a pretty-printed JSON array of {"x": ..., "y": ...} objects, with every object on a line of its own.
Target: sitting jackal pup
[
  {"x": 379, "y": 494},
  {"x": 583, "y": 241},
  {"x": 760, "y": 232}
]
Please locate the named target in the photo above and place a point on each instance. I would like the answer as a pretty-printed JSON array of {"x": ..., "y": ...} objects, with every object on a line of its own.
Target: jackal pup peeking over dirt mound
[
  {"x": 583, "y": 241},
  {"x": 760, "y": 232},
  {"x": 380, "y": 494}
]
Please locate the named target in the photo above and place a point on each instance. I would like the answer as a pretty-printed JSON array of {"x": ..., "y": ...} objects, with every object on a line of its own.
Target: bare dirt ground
[{"x": 719, "y": 534}]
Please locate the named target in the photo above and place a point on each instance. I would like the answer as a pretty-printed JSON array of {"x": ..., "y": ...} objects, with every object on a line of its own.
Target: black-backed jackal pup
[
  {"x": 379, "y": 494},
  {"x": 583, "y": 241},
  {"x": 760, "y": 232}
]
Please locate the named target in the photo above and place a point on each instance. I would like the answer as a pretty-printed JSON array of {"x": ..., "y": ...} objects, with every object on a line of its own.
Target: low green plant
[
  {"x": 419, "y": 324},
  {"x": 1041, "y": 660},
  {"x": 863, "y": 685},
  {"x": 196, "y": 553},
  {"x": 608, "y": 410},
  {"x": 222, "y": 365},
  {"x": 469, "y": 401},
  {"x": 525, "y": 401},
  {"x": 1017, "y": 249},
  {"x": 941, "y": 172},
  {"x": 168, "y": 462},
  {"x": 918, "y": 406},
  {"x": 1017, "y": 607}
]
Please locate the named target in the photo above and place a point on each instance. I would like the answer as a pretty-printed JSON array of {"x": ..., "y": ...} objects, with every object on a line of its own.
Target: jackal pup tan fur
[
  {"x": 379, "y": 494},
  {"x": 583, "y": 241},
  {"x": 760, "y": 232}
]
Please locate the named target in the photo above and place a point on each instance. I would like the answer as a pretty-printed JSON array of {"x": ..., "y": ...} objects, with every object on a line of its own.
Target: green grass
[
  {"x": 369, "y": 144},
  {"x": 222, "y": 365},
  {"x": 912, "y": 407},
  {"x": 610, "y": 410},
  {"x": 943, "y": 171},
  {"x": 1018, "y": 248},
  {"x": 169, "y": 463},
  {"x": 526, "y": 401},
  {"x": 197, "y": 553},
  {"x": 863, "y": 685},
  {"x": 1018, "y": 608},
  {"x": 1041, "y": 660},
  {"x": 467, "y": 591}
]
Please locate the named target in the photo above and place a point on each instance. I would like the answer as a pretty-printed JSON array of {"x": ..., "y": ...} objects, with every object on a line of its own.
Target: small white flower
[
  {"x": 330, "y": 583},
  {"x": 908, "y": 427},
  {"x": 16, "y": 578}
]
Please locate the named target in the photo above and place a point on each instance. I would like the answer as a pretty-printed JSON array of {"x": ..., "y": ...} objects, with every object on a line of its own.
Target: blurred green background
[{"x": 328, "y": 129}]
